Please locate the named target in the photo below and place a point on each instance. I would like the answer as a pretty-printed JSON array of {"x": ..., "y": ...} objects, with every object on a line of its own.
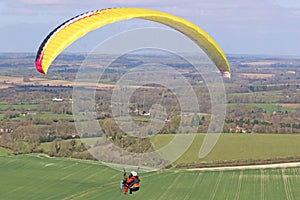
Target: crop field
[
  {"x": 230, "y": 148},
  {"x": 8, "y": 81},
  {"x": 273, "y": 96},
  {"x": 40, "y": 177},
  {"x": 238, "y": 147},
  {"x": 269, "y": 107}
]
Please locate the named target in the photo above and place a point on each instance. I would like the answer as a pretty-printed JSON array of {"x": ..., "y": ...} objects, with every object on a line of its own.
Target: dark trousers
[{"x": 133, "y": 189}]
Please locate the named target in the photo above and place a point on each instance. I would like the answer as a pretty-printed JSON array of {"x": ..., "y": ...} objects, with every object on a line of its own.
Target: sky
[{"x": 268, "y": 27}]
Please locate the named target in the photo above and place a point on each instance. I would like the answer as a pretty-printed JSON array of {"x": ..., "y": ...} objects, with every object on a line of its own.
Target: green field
[
  {"x": 238, "y": 147},
  {"x": 49, "y": 116},
  {"x": 268, "y": 107},
  {"x": 39, "y": 177},
  {"x": 4, "y": 106},
  {"x": 229, "y": 149}
]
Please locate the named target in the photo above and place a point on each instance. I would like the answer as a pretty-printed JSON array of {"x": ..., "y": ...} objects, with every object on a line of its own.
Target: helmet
[{"x": 133, "y": 173}]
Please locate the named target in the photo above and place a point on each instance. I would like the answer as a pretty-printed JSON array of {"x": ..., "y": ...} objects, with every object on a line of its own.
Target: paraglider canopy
[{"x": 76, "y": 27}]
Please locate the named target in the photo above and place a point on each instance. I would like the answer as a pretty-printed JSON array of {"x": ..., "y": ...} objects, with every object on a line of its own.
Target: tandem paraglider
[
  {"x": 71, "y": 30},
  {"x": 130, "y": 183}
]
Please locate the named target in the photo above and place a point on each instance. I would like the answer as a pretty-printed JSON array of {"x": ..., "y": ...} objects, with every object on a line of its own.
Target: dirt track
[{"x": 265, "y": 166}]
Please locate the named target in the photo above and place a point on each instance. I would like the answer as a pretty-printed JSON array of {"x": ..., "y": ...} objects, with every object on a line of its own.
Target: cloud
[
  {"x": 231, "y": 22},
  {"x": 41, "y": 2},
  {"x": 20, "y": 11},
  {"x": 187, "y": 7},
  {"x": 287, "y": 3},
  {"x": 29, "y": 7}
]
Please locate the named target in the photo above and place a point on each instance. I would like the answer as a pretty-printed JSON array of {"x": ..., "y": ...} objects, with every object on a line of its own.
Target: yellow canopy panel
[{"x": 78, "y": 26}]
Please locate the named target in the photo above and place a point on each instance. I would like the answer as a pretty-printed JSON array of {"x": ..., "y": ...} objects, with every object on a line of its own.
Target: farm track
[{"x": 266, "y": 166}]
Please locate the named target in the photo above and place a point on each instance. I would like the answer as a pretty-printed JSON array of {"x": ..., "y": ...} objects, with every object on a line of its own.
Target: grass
[
  {"x": 4, "y": 151},
  {"x": 45, "y": 116},
  {"x": 38, "y": 177},
  {"x": 54, "y": 116},
  {"x": 31, "y": 177},
  {"x": 46, "y": 146},
  {"x": 20, "y": 106}
]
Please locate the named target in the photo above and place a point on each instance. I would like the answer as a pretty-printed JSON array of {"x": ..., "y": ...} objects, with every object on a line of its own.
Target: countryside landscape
[{"x": 43, "y": 156}]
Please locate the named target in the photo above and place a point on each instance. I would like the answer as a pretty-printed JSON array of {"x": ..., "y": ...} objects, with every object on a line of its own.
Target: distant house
[
  {"x": 57, "y": 100},
  {"x": 6, "y": 130},
  {"x": 291, "y": 72},
  {"x": 141, "y": 113},
  {"x": 137, "y": 112},
  {"x": 73, "y": 136},
  {"x": 226, "y": 75},
  {"x": 168, "y": 119},
  {"x": 31, "y": 113},
  {"x": 70, "y": 100},
  {"x": 238, "y": 129}
]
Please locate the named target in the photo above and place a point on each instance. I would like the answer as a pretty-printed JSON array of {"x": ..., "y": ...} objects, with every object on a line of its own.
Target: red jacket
[{"x": 133, "y": 181}]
